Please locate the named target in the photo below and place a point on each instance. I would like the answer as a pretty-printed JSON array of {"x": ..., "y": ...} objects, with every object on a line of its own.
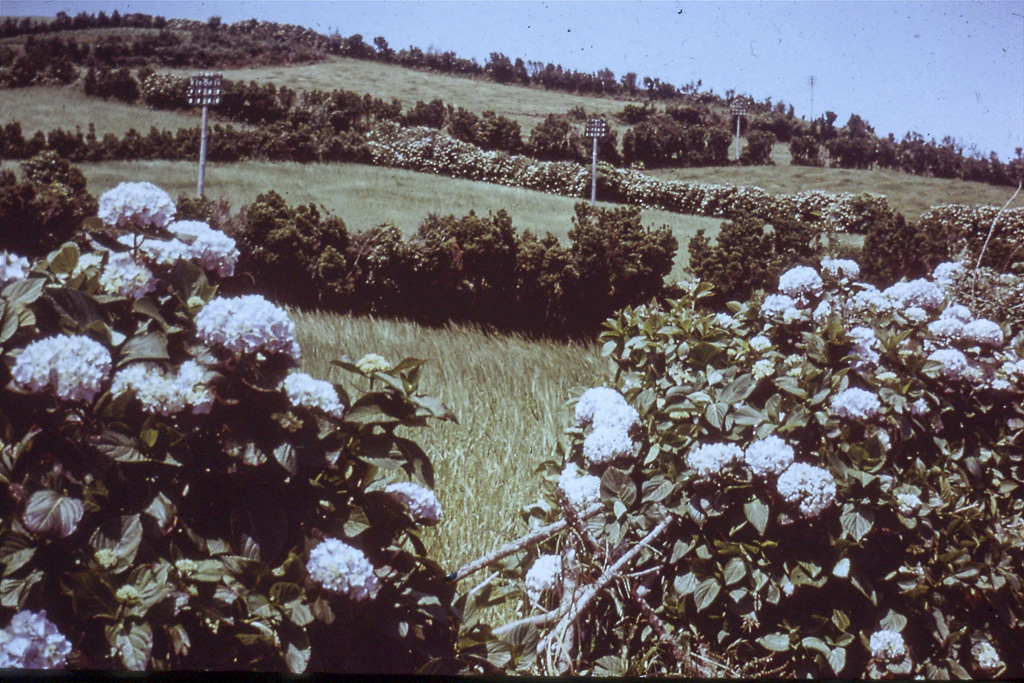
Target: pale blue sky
[{"x": 938, "y": 68}]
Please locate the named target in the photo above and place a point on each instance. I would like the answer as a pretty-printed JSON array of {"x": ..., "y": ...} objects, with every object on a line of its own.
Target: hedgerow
[{"x": 176, "y": 494}]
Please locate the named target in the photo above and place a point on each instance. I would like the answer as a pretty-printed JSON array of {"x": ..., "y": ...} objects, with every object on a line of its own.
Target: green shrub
[
  {"x": 804, "y": 150},
  {"x": 758, "y": 151}
]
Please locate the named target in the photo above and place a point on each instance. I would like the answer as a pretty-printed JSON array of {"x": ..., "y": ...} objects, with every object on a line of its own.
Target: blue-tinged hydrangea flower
[
  {"x": 74, "y": 367},
  {"x": 122, "y": 276},
  {"x": 780, "y": 307},
  {"x": 915, "y": 314},
  {"x": 919, "y": 293},
  {"x": 946, "y": 328},
  {"x": 760, "y": 343},
  {"x": 986, "y": 656},
  {"x": 800, "y": 281},
  {"x": 887, "y": 646},
  {"x": 837, "y": 267},
  {"x": 984, "y": 332},
  {"x": 31, "y": 641},
  {"x": 594, "y": 401},
  {"x": 821, "y": 312},
  {"x": 946, "y": 273},
  {"x": 953, "y": 362},
  {"x": 864, "y": 348},
  {"x": 423, "y": 504},
  {"x": 871, "y": 300},
  {"x": 544, "y": 576},
  {"x": 140, "y": 204},
  {"x": 167, "y": 393},
  {"x": 12, "y": 268},
  {"x": 306, "y": 392},
  {"x": 155, "y": 252},
  {"x": 907, "y": 503},
  {"x": 959, "y": 312},
  {"x": 340, "y": 568},
  {"x": 211, "y": 249},
  {"x": 605, "y": 444},
  {"x": 810, "y": 488},
  {"x": 247, "y": 324},
  {"x": 856, "y": 404},
  {"x": 725, "y": 320},
  {"x": 581, "y": 490},
  {"x": 769, "y": 456},
  {"x": 712, "y": 458},
  {"x": 371, "y": 363}
]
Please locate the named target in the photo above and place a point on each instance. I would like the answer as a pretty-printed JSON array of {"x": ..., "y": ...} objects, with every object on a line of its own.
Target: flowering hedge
[
  {"x": 822, "y": 484},
  {"x": 176, "y": 494}
]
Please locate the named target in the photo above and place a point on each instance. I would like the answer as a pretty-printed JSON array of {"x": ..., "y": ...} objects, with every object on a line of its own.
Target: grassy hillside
[
  {"x": 365, "y": 196},
  {"x": 509, "y": 395}
]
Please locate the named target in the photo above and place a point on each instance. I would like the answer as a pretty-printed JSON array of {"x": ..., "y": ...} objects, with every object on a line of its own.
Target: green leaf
[
  {"x": 133, "y": 643},
  {"x": 298, "y": 652},
  {"x": 837, "y": 660},
  {"x": 817, "y": 645},
  {"x": 286, "y": 456},
  {"x": 77, "y": 309},
  {"x": 149, "y": 346},
  {"x": 9, "y": 453},
  {"x": 50, "y": 513},
  {"x": 706, "y": 592},
  {"x": 777, "y": 642},
  {"x": 735, "y": 570},
  {"x": 893, "y": 621},
  {"x": 617, "y": 485},
  {"x": 180, "y": 642},
  {"x": 656, "y": 489},
  {"x": 65, "y": 260},
  {"x": 738, "y": 390},
  {"x": 117, "y": 446},
  {"x": 714, "y": 413},
  {"x": 23, "y": 292},
  {"x": 14, "y": 592},
  {"x": 856, "y": 523},
  {"x": 434, "y": 407},
  {"x": 122, "y": 535},
  {"x": 685, "y": 584},
  {"x": 162, "y": 511},
  {"x": 756, "y": 511},
  {"x": 16, "y": 551}
]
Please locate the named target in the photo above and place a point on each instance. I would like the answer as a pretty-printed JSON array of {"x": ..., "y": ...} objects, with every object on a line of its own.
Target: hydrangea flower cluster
[
  {"x": 869, "y": 299},
  {"x": 770, "y": 456},
  {"x": 167, "y": 393},
  {"x": 247, "y": 324},
  {"x": 160, "y": 253},
  {"x": 74, "y": 367},
  {"x": 306, "y": 392},
  {"x": 986, "y": 656},
  {"x": 945, "y": 274},
  {"x": 31, "y": 641},
  {"x": 919, "y": 293},
  {"x": 124, "y": 277},
  {"x": 139, "y": 204},
  {"x": 840, "y": 268},
  {"x": 781, "y": 308},
  {"x": 760, "y": 343},
  {"x": 422, "y": 503},
  {"x": 953, "y": 362},
  {"x": 340, "y": 568},
  {"x": 762, "y": 368},
  {"x": 12, "y": 268},
  {"x": 856, "y": 404},
  {"x": 612, "y": 418},
  {"x": 371, "y": 363},
  {"x": 580, "y": 490},
  {"x": 711, "y": 458},
  {"x": 211, "y": 250},
  {"x": 545, "y": 575},
  {"x": 984, "y": 332},
  {"x": 864, "y": 348},
  {"x": 811, "y": 488},
  {"x": 887, "y": 646},
  {"x": 907, "y": 503},
  {"x": 800, "y": 282}
]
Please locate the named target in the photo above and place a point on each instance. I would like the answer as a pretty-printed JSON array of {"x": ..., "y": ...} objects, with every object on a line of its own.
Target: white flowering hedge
[
  {"x": 825, "y": 485},
  {"x": 174, "y": 494}
]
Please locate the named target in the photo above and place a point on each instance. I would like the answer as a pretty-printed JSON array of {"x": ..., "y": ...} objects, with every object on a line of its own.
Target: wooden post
[{"x": 202, "y": 149}]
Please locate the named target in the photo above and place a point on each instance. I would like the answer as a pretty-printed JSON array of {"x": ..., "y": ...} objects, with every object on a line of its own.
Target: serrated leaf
[
  {"x": 434, "y": 407},
  {"x": 14, "y": 592},
  {"x": 738, "y": 390},
  {"x": 133, "y": 643},
  {"x": 706, "y": 592},
  {"x": 23, "y": 292},
  {"x": 122, "y": 535},
  {"x": 817, "y": 645},
  {"x": 617, "y": 485},
  {"x": 837, "y": 660},
  {"x": 685, "y": 584},
  {"x": 50, "y": 513},
  {"x": 151, "y": 346},
  {"x": 756, "y": 512},
  {"x": 776, "y": 642},
  {"x": 856, "y": 523},
  {"x": 893, "y": 621},
  {"x": 65, "y": 260},
  {"x": 117, "y": 446},
  {"x": 286, "y": 456},
  {"x": 734, "y": 570},
  {"x": 714, "y": 413}
]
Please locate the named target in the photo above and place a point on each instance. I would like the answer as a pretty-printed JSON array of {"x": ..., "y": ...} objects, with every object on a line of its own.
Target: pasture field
[
  {"x": 364, "y": 196},
  {"x": 526, "y": 105},
  {"x": 509, "y": 395}
]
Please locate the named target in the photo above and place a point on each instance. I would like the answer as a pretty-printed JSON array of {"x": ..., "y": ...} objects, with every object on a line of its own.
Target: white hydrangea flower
[
  {"x": 920, "y": 293},
  {"x": 769, "y": 456},
  {"x": 856, "y": 404},
  {"x": 545, "y": 575},
  {"x": 31, "y": 641},
  {"x": 212, "y": 250},
  {"x": 711, "y": 458},
  {"x": 821, "y": 312},
  {"x": 950, "y": 328},
  {"x": 725, "y": 320},
  {"x": 140, "y": 204},
  {"x": 986, "y": 656},
  {"x": 800, "y": 281},
  {"x": 984, "y": 332},
  {"x": 793, "y": 315},
  {"x": 775, "y": 306},
  {"x": 617, "y": 416},
  {"x": 907, "y": 503},
  {"x": 760, "y": 343},
  {"x": 605, "y": 444},
  {"x": 340, "y": 568},
  {"x": 124, "y": 277},
  {"x": 811, "y": 488},
  {"x": 75, "y": 367},
  {"x": 167, "y": 393},
  {"x": 870, "y": 299},
  {"x": 306, "y": 392},
  {"x": 919, "y": 407},
  {"x": 581, "y": 490},
  {"x": 594, "y": 401},
  {"x": 839, "y": 267},
  {"x": 887, "y": 646},
  {"x": 953, "y": 362},
  {"x": 423, "y": 504},
  {"x": 946, "y": 273},
  {"x": 863, "y": 350},
  {"x": 763, "y": 368},
  {"x": 915, "y": 314},
  {"x": 958, "y": 311},
  {"x": 12, "y": 268},
  {"x": 371, "y": 363},
  {"x": 161, "y": 253},
  {"x": 247, "y": 324}
]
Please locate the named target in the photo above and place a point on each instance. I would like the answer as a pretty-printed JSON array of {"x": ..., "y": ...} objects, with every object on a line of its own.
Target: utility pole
[
  {"x": 596, "y": 129},
  {"x": 738, "y": 108},
  {"x": 204, "y": 89},
  {"x": 810, "y": 82}
]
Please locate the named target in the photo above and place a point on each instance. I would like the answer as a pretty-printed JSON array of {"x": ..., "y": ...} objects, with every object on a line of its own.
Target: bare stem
[
  {"x": 989, "y": 236},
  {"x": 515, "y": 546}
]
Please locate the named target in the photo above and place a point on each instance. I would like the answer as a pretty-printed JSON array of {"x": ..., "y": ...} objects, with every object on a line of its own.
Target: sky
[{"x": 938, "y": 68}]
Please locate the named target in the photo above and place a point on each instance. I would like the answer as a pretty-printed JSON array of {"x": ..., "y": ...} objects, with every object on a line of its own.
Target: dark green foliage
[
  {"x": 557, "y": 139},
  {"x": 116, "y": 83},
  {"x": 749, "y": 254},
  {"x": 804, "y": 150},
  {"x": 432, "y": 115},
  {"x": 46, "y": 208},
  {"x": 758, "y": 151},
  {"x": 893, "y": 249}
]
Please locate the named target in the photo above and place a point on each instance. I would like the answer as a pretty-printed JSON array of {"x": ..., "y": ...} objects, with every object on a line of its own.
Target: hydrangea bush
[
  {"x": 175, "y": 494},
  {"x": 837, "y": 513}
]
